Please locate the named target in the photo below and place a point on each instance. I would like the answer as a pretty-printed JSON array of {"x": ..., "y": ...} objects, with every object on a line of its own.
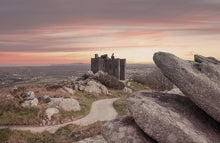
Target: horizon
[
  {"x": 46, "y": 32},
  {"x": 59, "y": 64}
]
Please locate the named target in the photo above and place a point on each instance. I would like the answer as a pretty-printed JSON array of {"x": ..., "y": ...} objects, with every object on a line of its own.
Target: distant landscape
[{"x": 56, "y": 73}]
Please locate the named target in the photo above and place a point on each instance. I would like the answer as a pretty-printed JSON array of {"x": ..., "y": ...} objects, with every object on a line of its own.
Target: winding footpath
[{"x": 101, "y": 110}]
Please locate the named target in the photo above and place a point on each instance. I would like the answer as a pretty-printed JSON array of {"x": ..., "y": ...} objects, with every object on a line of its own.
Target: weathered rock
[
  {"x": 28, "y": 95},
  {"x": 14, "y": 89},
  {"x": 175, "y": 90},
  {"x": 202, "y": 59},
  {"x": 44, "y": 99},
  {"x": 30, "y": 103},
  {"x": 129, "y": 84},
  {"x": 82, "y": 87},
  {"x": 62, "y": 90},
  {"x": 171, "y": 118},
  {"x": 200, "y": 81},
  {"x": 43, "y": 122},
  {"x": 65, "y": 104},
  {"x": 89, "y": 73},
  {"x": 124, "y": 130},
  {"x": 128, "y": 90},
  {"x": 50, "y": 112},
  {"x": 69, "y": 90},
  {"x": 95, "y": 139},
  {"x": 95, "y": 87},
  {"x": 99, "y": 73}
]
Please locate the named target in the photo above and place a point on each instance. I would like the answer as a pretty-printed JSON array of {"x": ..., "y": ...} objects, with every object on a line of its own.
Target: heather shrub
[
  {"x": 110, "y": 81},
  {"x": 154, "y": 80},
  {"x": 157, "y": 81},
  {"x": 139, "y": 79}
]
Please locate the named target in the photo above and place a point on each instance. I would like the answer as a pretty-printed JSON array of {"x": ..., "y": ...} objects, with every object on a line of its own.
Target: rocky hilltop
[{"x": 191, "y": 117}]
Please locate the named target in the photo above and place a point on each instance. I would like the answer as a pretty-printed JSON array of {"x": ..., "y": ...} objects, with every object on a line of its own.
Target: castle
[{"x": 113, "y": 66}]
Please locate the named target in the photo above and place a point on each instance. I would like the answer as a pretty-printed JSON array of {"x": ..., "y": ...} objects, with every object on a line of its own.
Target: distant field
[{"x": 56, "y": 73}]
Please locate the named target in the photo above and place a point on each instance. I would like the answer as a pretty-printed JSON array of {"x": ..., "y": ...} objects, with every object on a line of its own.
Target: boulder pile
[
  {"x": 88, "y": 84},
  {"x": 191, "y": 115}
]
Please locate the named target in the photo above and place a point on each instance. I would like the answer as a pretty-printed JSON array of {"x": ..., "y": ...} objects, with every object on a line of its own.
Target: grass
[
  {"x": 67, "y": 134},
  {"x": 120, "y": 105},
  {"x": 137, "y": 86},
  {"x": 18, "y": 115}
]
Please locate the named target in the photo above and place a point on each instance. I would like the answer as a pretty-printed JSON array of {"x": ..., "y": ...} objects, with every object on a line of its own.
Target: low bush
[
  {"x": 157, "y": 81},
  {"x": 154, "y": 80},
  {"x": 139, "y": 79}
]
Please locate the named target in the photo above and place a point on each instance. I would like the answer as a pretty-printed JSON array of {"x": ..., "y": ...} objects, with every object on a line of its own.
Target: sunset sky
[{"x": 39, "y": 32}]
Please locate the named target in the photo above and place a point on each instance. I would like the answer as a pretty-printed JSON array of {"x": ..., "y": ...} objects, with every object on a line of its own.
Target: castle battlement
[{"x": 113, "y": 66}]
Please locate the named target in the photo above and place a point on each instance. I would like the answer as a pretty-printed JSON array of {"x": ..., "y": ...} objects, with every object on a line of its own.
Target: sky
[{"x": 40, "y": 32}]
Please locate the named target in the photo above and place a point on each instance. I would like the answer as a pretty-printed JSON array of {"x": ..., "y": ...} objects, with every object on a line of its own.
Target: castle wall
[
  {"x": 115, "y": 67},
  {"x": 122, "y": 69},
  {"x": 94, "y": 65}
]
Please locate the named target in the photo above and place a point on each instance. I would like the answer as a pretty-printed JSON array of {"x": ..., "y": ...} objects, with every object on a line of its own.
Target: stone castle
[{"x": 113, "y": 66}]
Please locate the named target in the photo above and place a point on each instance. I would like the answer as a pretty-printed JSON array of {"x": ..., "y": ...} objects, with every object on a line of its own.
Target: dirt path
[{"x": 101, "y": 110}]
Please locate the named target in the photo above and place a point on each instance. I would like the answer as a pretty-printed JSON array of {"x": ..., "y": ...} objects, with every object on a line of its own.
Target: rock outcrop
[
  {"x": 124, "y": 130},
  {"x": 189, "y": 113},
  {"x": 95, "y": 87},
  {"x": 170, "y": 118},
  {"x": 90, "y": 86},
  {"x": 64, "y": 104},
  {"x": 200, "y": 80},
  {"x": 30, "y": 103},
  {"x": 50, "y": 112},
  {"x": 29, "y": 99},
  {"x": 69, "y": 90}
]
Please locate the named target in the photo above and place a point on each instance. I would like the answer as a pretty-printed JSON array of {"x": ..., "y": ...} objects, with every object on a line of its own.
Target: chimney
[{"x": 96, "y": 55}]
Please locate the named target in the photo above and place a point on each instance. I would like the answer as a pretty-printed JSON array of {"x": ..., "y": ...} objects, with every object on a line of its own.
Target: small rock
[
  {"x": 50, "y": 112},
  {"x": 81, "y": 87},
  {"x": 30, "y": 103},
  {"x": 127, "y": 90},
  {"x": 99, "y": 73},
  {"x": 129, "y": 84},
  {"x": 62, "y": 90},
  {"x": 44, "y": 99},
  {"x": 43, "y": 122},
  {"x": 14, "y": 90},
  {"x": 28, "y": 95},
  {"x": 48, "y": 122},
  {"x": 89, "y": 73},
  {"x": 69, "y": 90},
  {"x": 65, "y": 104},
  {"x": 175, "y": 90}
]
